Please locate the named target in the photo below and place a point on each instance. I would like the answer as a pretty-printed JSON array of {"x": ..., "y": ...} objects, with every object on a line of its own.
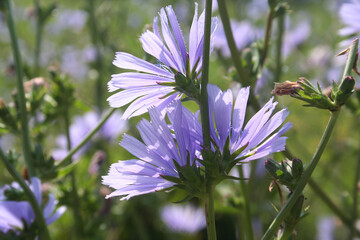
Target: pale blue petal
[
  {"x": 141, "y": 105},
  {"x": 177, "y": 33},
  {"x": 193, "y": 38},
  {"x": 156, "y": 28},
  {"x": 239, "y": 113},
  {"x": 154, "y": 46},
  {"x": 134, "y": 80},
  {"x": 170, "y": 42},
  {"x": 222, "y": 114},
  {"x": 128, "y": 61},
  {"x": 277, "y": 146},
  {"x": 57, "y": 214},
  {"x": 269, "y": 127}
]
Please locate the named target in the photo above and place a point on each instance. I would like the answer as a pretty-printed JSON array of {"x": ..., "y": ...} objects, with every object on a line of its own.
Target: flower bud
[{"x": 346, "y": 88}]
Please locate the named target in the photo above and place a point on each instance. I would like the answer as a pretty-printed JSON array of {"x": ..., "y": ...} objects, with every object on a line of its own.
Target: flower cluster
[{"x": 171, "y": 154}]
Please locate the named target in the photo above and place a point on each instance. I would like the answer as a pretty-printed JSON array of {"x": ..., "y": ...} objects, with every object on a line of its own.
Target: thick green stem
[
  {"x": 204, "y": 110},
  {"x": 43, "y": 230},
  {"x": 67, "y": 159},
  {"x": 325, "y": 198},
  {"x": 235, "y": 55},
  {"x": 204, "y": 106},
  {"x": 248, "y": 220},
  {"x": 279, "y": 43},
  {"x": 210, "y": 211},
  {"x": 304, "y": 179},
  {"x": 26, "y": 144}
]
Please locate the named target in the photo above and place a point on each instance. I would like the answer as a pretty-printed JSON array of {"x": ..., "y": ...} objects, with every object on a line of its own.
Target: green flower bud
[{"x": 346, "y": 88}]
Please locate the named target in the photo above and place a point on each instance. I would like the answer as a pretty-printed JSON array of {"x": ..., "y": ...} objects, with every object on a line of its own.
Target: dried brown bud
[
  {"x": 104, "y": 191},
  {"x": 31, "y": 12},
  {"x": 286, "y": 88},
  {"x": 35, "y": 82},
  {"x": 327, "y": 91},
  {"x": 25, "y": 173},
  {"x": 2, "y": 104}
]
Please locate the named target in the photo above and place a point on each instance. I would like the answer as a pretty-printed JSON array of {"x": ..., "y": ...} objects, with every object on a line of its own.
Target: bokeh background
[{"x": 80, "y": 39}]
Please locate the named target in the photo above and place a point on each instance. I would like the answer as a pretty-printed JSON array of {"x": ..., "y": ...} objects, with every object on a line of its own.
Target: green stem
[
  {"x": 335, "y": 209},
  {"x": 248, "y": 220},
  {"x": 38, "y": 38},
  {"x": 142, "y": 232},
  {"x": 26, "y": 144},
  {"x": 279, "y": 43},
  {"x": 204, "y": 105},
  {"x": 204, "y": 110},
  {"x": 67, "y": 159},
  {"x": 325, "y": 198},
  {"x": 99, "y": 86},
  {"x": 304, "y": 179},
  {"x": 355, "y": 198},
  {"x": 287, "y": 232},
  {"x": 235, "y": 55},
  {"x": 43, "y": 230},
  {"x": 267, "y": 37},
  {"x": 75, "y": 197},
  {"x": 210, "y": 212}
]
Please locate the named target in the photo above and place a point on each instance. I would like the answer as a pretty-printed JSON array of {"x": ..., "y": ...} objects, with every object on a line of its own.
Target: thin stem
[
  {"x": 235, "y": 55},
  {"x": 99, "y": 86},
  {"x": 26, "y": 144},
  {"x": 38, "y": 37},
  {"x": 74, "y": 192},
  {"x": 248, "y": 220},
  {"x": 43, "y": 230},
  {"x": 355, "y": 198},
  {"x": 210, "y": 212},
  {"x": 142, "y": 232},
  {"x": 340, "y": 213},
  {"x": 67, "y": 159},
  {"x": 267, "y": 37},
  {"x": 304, "y": 179},
  {"x": 279, "y": 43}
]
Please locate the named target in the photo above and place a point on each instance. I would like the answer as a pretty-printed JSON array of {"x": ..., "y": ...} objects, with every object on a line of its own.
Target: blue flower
[
  {"x": 154, "y": 84},
  {"x": 14, "y": 214},
  {"x": 183, "y": 218},
  {"x": 163, "y": 145},
  {"x": 349, "y": 15},
  {"x": 81, "y": 126},
  {"x": 258, "y": 138}
]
